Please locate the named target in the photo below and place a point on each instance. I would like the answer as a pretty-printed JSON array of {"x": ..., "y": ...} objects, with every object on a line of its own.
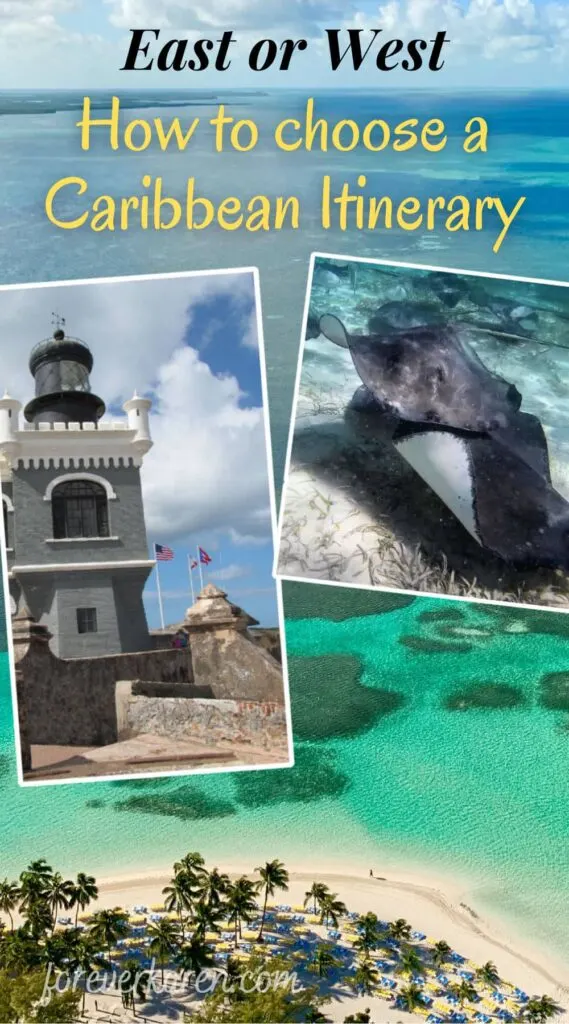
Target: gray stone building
[{"x": 73, "y": 516}]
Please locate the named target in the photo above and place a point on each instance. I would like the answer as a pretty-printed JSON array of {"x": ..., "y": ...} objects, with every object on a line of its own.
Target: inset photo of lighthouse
[
  {"x": 429, "y": 448},
  {"x": 138, "y": 518}
]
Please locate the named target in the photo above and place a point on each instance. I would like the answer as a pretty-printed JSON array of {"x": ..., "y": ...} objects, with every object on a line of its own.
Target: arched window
[{"x": 79, "y": 509}]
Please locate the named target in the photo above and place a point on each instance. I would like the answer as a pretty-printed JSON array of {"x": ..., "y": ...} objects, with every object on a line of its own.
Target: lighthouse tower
[{"x": 73, "y": 514}]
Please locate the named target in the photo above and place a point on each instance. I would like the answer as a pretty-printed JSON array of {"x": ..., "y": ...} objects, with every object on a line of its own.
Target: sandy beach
[{"x": 440, "y": 910}]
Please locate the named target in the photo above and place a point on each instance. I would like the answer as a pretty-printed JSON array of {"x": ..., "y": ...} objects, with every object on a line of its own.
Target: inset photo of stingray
[{"x": 429, "y": 445}]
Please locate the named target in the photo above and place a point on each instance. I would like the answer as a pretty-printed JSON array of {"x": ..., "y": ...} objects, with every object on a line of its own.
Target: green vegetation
[
  {"x": 541, "y": 1009},
  {"x": 211, "y": 921}
]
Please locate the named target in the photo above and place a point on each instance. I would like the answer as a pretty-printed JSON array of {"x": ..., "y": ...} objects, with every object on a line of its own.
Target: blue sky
[
  {"x": 82, "y": 43},
  {"x": 190, "y": 344},
  {"x": 242, "y": 569}
]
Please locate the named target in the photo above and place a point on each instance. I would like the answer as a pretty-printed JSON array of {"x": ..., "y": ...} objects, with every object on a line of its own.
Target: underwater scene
[{"x": 430, "y": 447}]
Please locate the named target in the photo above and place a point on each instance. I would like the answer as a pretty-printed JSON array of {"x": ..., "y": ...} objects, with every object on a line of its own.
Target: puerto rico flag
[
  {"x": 204, "y": 557},
  {"x": 163, "y": 553}
]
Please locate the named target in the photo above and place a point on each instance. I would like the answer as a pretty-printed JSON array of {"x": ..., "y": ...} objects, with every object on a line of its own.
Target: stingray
[
  {"x": 461, "y": 429},
  {"x": 393, "y": 316},
  {"x": 428, "y": 375}
]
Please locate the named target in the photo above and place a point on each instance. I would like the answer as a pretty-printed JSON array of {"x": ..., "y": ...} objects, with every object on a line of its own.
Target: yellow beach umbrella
[
  {"x": 157, "y": 907},
  {"x": 313, "y": 919},
  {"x": 299, "y": 909}
]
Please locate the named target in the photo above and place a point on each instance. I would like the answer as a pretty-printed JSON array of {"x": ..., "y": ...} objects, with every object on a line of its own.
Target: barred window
[{"x": 79, "y": 509}]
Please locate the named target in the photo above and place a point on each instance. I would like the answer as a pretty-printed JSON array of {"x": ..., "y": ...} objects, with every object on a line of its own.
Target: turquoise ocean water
[
  {"x": 397, "y": 778},
  {"x": 387, "y": 774}
]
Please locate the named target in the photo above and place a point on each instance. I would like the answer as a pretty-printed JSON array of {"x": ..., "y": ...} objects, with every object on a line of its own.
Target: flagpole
[
  {"x": 200, "y": 568},
  {"x": 191, "y": 578},
  {"x": 159, "y": 592}
]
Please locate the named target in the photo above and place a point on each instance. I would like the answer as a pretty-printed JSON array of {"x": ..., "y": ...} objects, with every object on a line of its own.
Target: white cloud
[
  {"x": 230, "y": 572},
  {"x": 492, "y": 41},
  {"x": 303, "y": 16},
  {"x": 208, "y": 467},
  {"x": 506, "y": 31},
  {"x": 207, "y": 470}
]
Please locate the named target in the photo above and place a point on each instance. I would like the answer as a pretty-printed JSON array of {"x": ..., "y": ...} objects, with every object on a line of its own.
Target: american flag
[
  {"x": 163, "y": 553},
  {"x": 193, "y": 563}
]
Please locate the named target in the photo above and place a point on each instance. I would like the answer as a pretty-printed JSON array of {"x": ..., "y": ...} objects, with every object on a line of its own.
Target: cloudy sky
[
  {"x": 190, "y": 344},
  {"x": 82, "y": 43}
]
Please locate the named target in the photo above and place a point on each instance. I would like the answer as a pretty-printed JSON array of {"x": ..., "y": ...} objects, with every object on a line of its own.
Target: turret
[
  {"x": 60, "y": 366},
  {"x": 9, "y": 417},
  {"x": 137, "y": 410}
]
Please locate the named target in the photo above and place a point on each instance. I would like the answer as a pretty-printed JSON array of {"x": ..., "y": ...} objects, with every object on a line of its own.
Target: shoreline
[{"x": 440, "y": 910}]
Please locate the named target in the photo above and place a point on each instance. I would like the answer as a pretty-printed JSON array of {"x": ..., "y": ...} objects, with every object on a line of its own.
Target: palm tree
[
  {"x": 540, "y": 1009},
  {"x": 33, "y": 884},
  {"x": 317, "y": 892},
  {"x": 84, "y": 891},
  {"x": 20, "y": 951},
  {"x": 409, "y": 962},
  {"x": 324, "y": 961},
  {"x": 488, "y": 974},
  {"x": 107, "y": 927},
  {"x": 213, "y": 887},
  {"x": 205, "y": 918},
  {"x": 192, "y": 865},
  {"x": 411, "y": 997},
  {"x": 400, "y": 929},
  {"x": 274, "y": 876},
  {"x": 315, "y": 1016},
  {"x": 331, "y": 909},
  {"x": 241, "y": 902},
  {"x": 165, "y": 941},
  {"x": 58, "y": 893},
  {"x": 179, "y": 896},
  {"x": 39, "y": 918},
  {"x": 133, "y": 984},
  {"x": 368, "y": 938},
  {"x": 441, "y": 953},
  {"x": 9, "y": 898},
  {"x": 83, "y": 957},
  {"x": 194, "y": 956},
  {"x": 365, "y": 978},
  {"x": 465, "y": 992}
]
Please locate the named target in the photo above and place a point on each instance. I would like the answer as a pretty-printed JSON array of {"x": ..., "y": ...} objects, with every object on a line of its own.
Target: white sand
[{"x": 428, "y": 905}]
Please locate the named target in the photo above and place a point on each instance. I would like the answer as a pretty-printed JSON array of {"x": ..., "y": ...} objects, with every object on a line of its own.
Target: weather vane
[{"x": 57, "y": 321}]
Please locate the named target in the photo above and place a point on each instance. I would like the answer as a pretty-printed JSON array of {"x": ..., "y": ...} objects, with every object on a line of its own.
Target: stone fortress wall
[{"x": 223, "y": 684}]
